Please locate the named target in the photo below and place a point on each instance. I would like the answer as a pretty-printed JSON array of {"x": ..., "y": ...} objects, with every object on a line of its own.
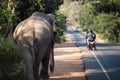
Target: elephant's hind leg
[{"x": 28, "y": 59}]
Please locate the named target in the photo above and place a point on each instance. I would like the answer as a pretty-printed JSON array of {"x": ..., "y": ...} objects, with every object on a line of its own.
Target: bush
[
  {"x": 118, "y": 29},
  {"x": 103, "y": 23},
  {"x": 86, "y": 16},
  {"x": 10, "y": 60},
  {"x": 61, "y": 20},
  {"x": 107, "y": 24}
]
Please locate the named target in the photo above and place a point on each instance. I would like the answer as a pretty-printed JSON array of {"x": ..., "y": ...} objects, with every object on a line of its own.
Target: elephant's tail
[{"x": 52, "y": 61}]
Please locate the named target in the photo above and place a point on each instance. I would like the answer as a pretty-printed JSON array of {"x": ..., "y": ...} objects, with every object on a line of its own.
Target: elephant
[{"x": 35, "y": 38}]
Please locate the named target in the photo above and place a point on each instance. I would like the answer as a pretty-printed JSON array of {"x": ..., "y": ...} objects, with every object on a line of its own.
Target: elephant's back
[{"x": 33, "y": 30}]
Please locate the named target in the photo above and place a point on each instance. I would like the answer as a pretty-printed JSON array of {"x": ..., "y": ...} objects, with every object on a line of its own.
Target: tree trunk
[{"x": 9, "y": 29}]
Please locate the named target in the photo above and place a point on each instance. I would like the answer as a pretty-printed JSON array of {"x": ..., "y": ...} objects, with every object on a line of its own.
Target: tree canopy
[
  {"x": 14, "y": 11},
  {"x": 103, "y": 17}
]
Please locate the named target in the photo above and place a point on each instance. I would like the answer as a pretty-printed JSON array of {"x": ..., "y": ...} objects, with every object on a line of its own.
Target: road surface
[
  {"x": 103, "y": 64},
  {"x": 68, "y": 62}
]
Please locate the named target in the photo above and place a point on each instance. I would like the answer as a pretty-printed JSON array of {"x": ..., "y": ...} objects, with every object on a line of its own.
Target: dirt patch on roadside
[{"x": 68, "y": 63}]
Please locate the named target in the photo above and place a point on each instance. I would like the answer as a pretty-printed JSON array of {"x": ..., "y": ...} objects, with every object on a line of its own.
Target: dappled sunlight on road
[
  {"x": 68, "y": 64},
  {"x": 69, "y": 76}
]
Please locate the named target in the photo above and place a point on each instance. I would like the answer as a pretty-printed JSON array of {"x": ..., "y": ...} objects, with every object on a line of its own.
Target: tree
[
  {"x": 103, "y": 16},
  {"x": 7, "y": 11},
  {"x": 14, "y": 11}
]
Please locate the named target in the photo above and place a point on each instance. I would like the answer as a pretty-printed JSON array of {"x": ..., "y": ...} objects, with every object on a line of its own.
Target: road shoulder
[{"x": 68, "y": 63}]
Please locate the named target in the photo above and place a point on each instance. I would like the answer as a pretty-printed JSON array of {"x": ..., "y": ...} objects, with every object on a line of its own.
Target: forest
[{"x": 103, "y": 16}]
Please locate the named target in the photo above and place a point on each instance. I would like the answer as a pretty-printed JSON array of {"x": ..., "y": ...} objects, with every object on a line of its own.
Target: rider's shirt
[{"x": 89, "y": 35}]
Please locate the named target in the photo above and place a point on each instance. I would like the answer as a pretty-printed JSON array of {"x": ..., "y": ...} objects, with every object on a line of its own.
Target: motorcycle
[{"x": 91, "y": 44}]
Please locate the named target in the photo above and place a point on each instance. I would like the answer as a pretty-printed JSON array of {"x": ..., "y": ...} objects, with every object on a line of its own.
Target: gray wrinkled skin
[{"x": 34, "y": 37}]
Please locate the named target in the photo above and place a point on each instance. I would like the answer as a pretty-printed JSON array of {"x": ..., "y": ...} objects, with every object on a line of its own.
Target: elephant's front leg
[
  {"x": 37, "y": 69},
  {"x": 44, "y": 70},
  {"x": 28, "y": 59}
]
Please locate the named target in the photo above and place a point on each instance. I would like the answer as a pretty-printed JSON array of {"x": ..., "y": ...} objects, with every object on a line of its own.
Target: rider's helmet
[{"x": 90, "y": 30}]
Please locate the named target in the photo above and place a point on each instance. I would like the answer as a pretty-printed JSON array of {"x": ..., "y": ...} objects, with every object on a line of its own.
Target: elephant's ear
[
  {"x": 54, "y": 26},
  {"x": 53, "y": 22}
]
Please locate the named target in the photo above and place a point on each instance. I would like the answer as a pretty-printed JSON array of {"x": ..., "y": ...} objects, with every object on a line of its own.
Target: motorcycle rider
[
  {"x": 86, "y": 38},
  {"x": 90, "y": 35}
]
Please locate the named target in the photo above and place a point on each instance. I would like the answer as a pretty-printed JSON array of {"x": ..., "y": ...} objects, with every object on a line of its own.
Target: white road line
[
  {"x": 100, "y": 64},
  {"x": 105, "y": 72}
]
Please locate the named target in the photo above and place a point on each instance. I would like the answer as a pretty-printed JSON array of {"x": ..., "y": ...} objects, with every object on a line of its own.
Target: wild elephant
[{"x": 35, "y": 38}]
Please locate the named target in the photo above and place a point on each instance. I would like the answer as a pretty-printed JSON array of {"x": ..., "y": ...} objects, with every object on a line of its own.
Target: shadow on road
[
  {"x": 70, "y": 78},
  {"x": 103, "y": 46},
  {"x": 100, "y": 44},
  {"x": 68, "y": 63},
  {"x": 65, "y": 45}
]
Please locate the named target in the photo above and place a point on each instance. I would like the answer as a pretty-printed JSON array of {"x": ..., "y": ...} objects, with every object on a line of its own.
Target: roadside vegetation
[
  {"x": 11, "y": 64},
  {"x": 103, "y": 16}
]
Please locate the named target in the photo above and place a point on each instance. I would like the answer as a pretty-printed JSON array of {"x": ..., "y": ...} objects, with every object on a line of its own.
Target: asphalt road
[{"x": 103, "y": 64}]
